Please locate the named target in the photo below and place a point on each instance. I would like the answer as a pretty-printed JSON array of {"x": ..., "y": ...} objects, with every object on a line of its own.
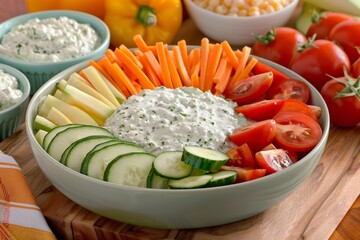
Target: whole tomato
[
  {"x": 355, "y": 69},
  {"x": 323, "y": 23},
  {"x": 319, "y": 60},
  {"x": 279, "y": 45},
  {"x": 347, "y": 34},
  {"x": 343, "y": 101}
]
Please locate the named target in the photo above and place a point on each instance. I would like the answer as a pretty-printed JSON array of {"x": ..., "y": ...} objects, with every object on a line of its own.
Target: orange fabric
[{"x": 20, "y": 217}]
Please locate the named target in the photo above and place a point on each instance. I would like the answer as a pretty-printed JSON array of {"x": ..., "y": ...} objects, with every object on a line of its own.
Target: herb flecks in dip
[
  {"x": 9, "y": 92},
  {"x": 51, "y": 39},
  {"x": 168, "y": 119}
]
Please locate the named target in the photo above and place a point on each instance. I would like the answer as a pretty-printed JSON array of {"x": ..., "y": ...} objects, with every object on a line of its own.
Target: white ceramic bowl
[
  {"x": 237, "y": 30},
  {"x": 174, "y": 209},
  {"x": 38, "y": 73},
  {"x": 13, "y": 116}
]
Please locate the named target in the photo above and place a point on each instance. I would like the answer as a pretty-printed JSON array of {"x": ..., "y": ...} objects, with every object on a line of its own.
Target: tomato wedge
[
  {"x": 261, "y": 110},
  {"x": 257, "y": 135},
  {"x": 296, "y": 131},
  {"x": 245, "y": 174},
  {"x": 241, "y": 156},
  {"x": 273, "y": 160},
  {"x": 294, "y": 105},
  {"x": 250, "y": 89},
  {"x": 290, "y": 89}
]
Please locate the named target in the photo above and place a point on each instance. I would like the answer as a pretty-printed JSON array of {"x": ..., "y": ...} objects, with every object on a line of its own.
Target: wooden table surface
[{"x": 326, "y": 206}]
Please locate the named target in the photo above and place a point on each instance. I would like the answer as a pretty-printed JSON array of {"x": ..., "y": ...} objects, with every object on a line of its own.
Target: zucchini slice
[
  {"x": 130, "y": 169},
  {"x": 204, "y": 158}
]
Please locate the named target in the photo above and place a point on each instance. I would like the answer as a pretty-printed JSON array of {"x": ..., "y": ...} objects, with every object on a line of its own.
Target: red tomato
[
  {"x": 323, "y": 23},
  {"x": 344, "y": 109},
  {"x": 347, "y": 34},
  {"x": 250, "y": 89},
  {"x": 278, "y": 77},
  {"x": 245, "y": 174},
  {"x": 279, "y": 45},
  {"x": 294, "y": 105},
  {"x": 316, "y": 63},
  {"x": 290, "y": 88},
  {"x": 273, "y": 160},
  {"x": 260, "y": 110},
  {"x": 355, "y": 69},
  {"x": 241, "y": 156},
  {"x": 316, "y": 110},
  {"x": 257, "y": 135},
  {"x": 296, "y": 131}
]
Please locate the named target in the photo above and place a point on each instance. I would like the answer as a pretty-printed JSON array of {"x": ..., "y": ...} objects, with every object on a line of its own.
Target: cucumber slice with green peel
[
  {"x": 190, "y": 182},
  {"x": 155, "y": 181},
  {"x": 169, "y": 165},
  {"x": 130, "y": 169},
  {"x": 204, "y": 158},
  {"x": 65, "y": 138},
  {"x": 76, "y": 152},
  {"x": 50, "y": 135},
  {"x": 222, "y": 178},
  {"x": 94, "y": 164},
  {"x": 108, "y": 143}
]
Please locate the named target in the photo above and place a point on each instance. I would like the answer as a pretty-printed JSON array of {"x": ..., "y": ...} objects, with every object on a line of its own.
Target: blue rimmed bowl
[
  {"x": 39, "y": 72},
  {"x": 12, "y": 117}
]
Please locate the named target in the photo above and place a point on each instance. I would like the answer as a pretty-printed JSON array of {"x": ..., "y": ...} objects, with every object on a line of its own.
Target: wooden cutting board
[{"x": 312, "y": 212}]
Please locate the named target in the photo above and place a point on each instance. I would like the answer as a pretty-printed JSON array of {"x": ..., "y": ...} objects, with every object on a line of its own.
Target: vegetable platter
[{"x": 68, "y": 219}]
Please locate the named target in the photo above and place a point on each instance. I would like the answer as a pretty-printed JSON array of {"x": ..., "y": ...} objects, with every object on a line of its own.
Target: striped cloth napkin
[{"x": 20, "y": 217}]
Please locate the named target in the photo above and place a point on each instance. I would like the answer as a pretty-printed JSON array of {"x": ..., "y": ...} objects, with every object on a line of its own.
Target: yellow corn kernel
[{"x": 221, "y": 9}]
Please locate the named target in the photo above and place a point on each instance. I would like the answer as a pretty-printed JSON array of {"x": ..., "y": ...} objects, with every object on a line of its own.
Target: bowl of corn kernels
[{"x": 239, "y": 21}]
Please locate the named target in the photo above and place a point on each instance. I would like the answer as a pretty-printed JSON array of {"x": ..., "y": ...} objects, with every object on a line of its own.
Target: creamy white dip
[
  {"x": 51, "y": 39},
  {"x": 168, "y": 119},
  {"x": 9, "y": 92}
]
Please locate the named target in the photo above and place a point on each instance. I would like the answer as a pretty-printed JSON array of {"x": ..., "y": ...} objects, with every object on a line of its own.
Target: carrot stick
[
  {"x": 204, "y": 56},
  {"x": 121, "y": 77},
  {"x": 130, "y": 55},
  {"x": 195, "y": 61},
  {"x": 230, "y": 54},
  {"x": 175, "y": 78},
  {"x": 224, "y": 79},
  {"x": 221, "y": 69},
  {"x": 246, "y": 71},
  {"x": 111, "y": 56},
  {"x": 165, "y": 73},
  {"x": 143, "y": 79},
  {"x": 195, "y": 80},
  {"x": 243, "y": 57},
  {"x": 140, "y": 43},
  {"x": 148, "y": 69},
  {"x": 213, "y": 62},
  {"x": 180, "y": 65},
  {"x": 184, "y": 54},
  {"x": 107, "y": 65},
  {"x": 155, "y": 65}
]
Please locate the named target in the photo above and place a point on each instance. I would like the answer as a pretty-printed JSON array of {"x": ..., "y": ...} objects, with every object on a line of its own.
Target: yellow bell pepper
[{"x": 154, "y": 20}]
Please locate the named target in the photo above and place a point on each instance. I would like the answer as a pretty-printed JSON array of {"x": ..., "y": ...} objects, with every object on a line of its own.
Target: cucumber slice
[
  {"x": 204, "y": 158},
  {"x": 94, "y": 164},
  {"x": 130, "y": 169},
  {"x": 50, "y": 135},
  {"x": 222, "y": 178},
  {"x": 76, "y": 152},
  {"x": 65, "y": 138},
  {"x": 155, "y": 181},
  {"x": 190, "y": 182},
  {"x": 169, "y": 165}
]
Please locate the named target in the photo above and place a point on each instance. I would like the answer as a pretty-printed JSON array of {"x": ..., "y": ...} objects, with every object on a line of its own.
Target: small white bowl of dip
[{"x": 39, "y": 67}]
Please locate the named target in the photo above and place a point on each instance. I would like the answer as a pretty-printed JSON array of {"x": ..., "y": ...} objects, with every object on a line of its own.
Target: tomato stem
[
  {"x": 268, "y": 38},
  {"x": 308, "y": 44},
  {"x": 352, "y": 88},
  {"x": 146, "y": 16}
]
